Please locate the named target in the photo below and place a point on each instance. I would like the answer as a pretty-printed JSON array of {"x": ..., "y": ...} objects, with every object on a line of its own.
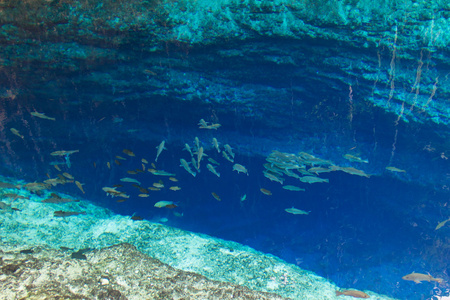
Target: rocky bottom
[{"x": 116, "y": 272}]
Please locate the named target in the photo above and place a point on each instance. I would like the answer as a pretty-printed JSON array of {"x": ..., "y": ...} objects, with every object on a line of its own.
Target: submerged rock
[{"x": 117, "y": 272}]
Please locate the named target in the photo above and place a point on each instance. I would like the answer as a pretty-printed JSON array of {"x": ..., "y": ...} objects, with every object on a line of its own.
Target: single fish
[
  {"x": 296, "y": 211},
  {"x": 194, "y": 163},
  {"x": 14, "y": 196},
  {"x": 144, "y": 161},
  {"x": 6, "y": 185},
  {"x": 213, "y": 126},
  {"x": 202, "y": 124},
  {"x": 216, "y": 196},
  {"x": 174, "y": 188},
  {"x": 357, "y": 159},
  {"x": 266, "y": 192},
  {"x": 188, "y": 149},
  {"x": 158, "y": 185},
  {"x": 418, "y": 278},
  {"x": 68, "y": 176},
  {"x": 160, "y": 149},
  {"x": 213, "y": 161},
  {"x": 59, "y": 200},
  {"x": 212, "y": 170},
  {"x": 167, "y": 204},
  {"x": 441, "y": 224},
  {"x": 312, "y": 179},
  {"x": 141, "y": 189},
  {"x": 185, "y": 165},
  {"x": 128, "y": 152},
  {"x": 200, "y": 155},
  {"x": 128, "y": 179},
  {"x": 318, "y": 170},
  {"x": 27, "y": 251},
  {"x": 173, "y": 179},
  {"x": 56, "y": 181},
  {"x": 63, "y": 214},
  {"x": 225, "y": 155},
  {"x": 240, "y": 168},
  {"x": 350, "y": 170},
  {"x": 120, "y": 157},
  {"x": 196, "y": 143},
  {"x": 16, "y": 132},
  {"x": 80, "y": 186},
  {"x": 229, "y": 150},
  {"x": 215, "y": 144},
  {"x": 42, "y": 116},
  {"x": 36, "y": 186},
  {"x": 64, "y": 152},
  {"x": 353, "y": 293},
  {"x": 273, "y": 177},
  {"x": 243, "y": 197},
  {"x": 114, "y": 193},
  {"x": 78, "y": 255},
  {"x": 394, "y": 169},
  {"x": 293, "y": 188}
]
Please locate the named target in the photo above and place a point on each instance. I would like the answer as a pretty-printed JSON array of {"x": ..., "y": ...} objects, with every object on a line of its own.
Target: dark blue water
[{"x": 363, "y": 233}]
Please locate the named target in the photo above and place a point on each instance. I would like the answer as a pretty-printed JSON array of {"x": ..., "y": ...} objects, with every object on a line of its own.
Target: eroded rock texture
[{"x": 119, "y": 272}]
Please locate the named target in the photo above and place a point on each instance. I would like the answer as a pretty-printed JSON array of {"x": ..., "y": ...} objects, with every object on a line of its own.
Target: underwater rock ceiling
[{"x": 269, "y": 63}]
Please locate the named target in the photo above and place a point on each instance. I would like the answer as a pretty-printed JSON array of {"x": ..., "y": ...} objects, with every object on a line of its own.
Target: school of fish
[{"x": 279, "y": 167}]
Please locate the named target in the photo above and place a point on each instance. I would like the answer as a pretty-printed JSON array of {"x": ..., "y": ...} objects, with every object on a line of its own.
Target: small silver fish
[
  {"x": 215, "y": 144},
  {"x": 185, "y": 165},
  {"x": 240, "y": 168},
  {"x": 296, "y": 211},
  {"x": 212, "y": 170},
  {"x": 160, "y": 149},
  {"x": 128, "y": 179}
]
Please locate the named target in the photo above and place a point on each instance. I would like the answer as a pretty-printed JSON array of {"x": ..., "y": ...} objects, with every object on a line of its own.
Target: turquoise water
[{"x": 362, "y": 102}]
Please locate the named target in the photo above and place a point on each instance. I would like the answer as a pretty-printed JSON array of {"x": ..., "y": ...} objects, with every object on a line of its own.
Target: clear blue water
[{"x": 364, "y": 233}]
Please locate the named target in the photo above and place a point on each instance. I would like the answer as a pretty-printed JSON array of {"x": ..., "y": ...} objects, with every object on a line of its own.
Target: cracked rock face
[{"x": 118, "y": 272}]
